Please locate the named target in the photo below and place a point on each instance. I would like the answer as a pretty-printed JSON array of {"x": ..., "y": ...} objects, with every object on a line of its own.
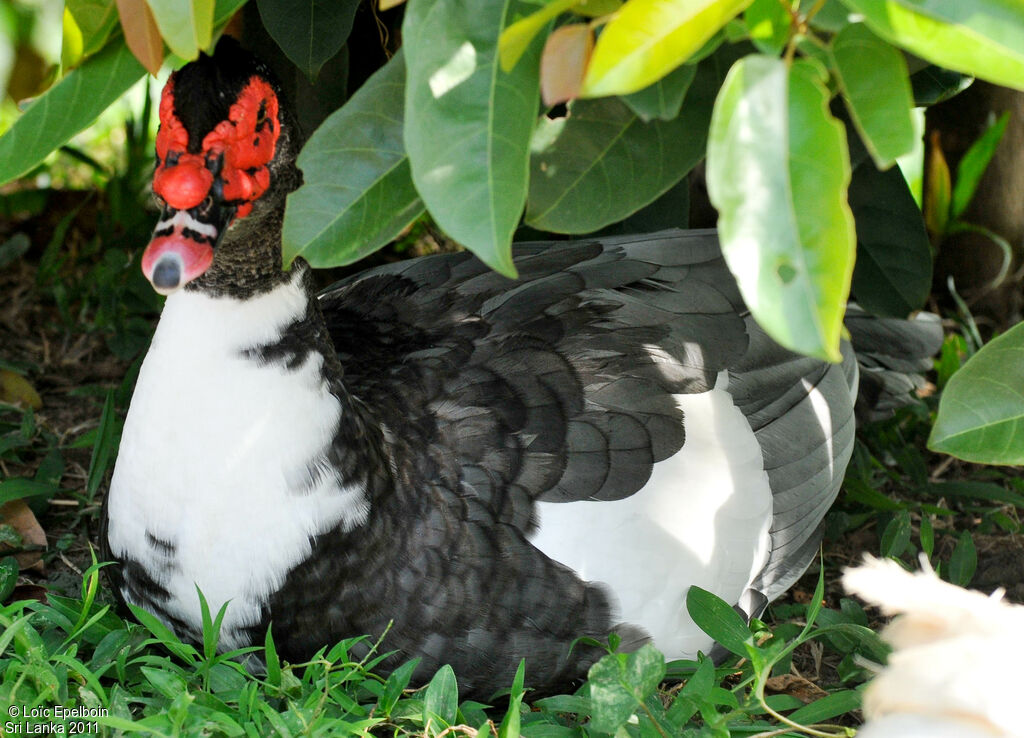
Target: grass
[
  {"x": 798, "y": 672},
  {"x": 80, "y": 317},
  {"x": 137, "y": 677}
]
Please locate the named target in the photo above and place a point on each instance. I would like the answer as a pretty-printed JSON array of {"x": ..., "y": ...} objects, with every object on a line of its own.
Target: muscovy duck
[{"x": 497, "y": 466}]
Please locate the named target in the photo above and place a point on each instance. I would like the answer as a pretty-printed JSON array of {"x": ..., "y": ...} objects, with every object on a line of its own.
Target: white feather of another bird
[{"x": 956, "y": 656}]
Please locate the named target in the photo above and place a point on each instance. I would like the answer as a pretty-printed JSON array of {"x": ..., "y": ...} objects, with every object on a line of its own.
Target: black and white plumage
[{"x": 496, "y": 466}]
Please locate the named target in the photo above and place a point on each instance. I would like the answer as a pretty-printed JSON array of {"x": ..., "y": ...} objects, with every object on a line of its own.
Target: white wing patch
[{"x": 702, "y": 519}]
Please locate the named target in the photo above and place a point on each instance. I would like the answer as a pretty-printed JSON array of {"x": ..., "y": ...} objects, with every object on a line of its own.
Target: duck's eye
[
  {"x": 206, "y": 205},
  {"x": 261, "y": 116}
]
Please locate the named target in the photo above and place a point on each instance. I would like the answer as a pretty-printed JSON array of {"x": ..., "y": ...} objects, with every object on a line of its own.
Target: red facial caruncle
[{"x": 204, "y": 190}]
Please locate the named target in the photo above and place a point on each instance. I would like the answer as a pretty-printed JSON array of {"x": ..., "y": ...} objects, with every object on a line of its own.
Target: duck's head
[{"x": 225, "y": 156}]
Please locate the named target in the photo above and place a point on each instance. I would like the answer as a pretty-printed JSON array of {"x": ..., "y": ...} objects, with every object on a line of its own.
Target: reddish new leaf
[
  {"x": 141, "y": 33},
  {"x": 564, "y": 62}
]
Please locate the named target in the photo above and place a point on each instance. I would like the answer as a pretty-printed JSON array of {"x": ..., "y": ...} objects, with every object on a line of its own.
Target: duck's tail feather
[{"x": 892, "y": 354}]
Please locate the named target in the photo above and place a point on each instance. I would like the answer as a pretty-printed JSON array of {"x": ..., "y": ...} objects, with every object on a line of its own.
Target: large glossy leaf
[
  {"x": 309, "y": 32},
  {"x": 357, "y": 193},
  {"x": 876, "y": 87},
  {"x": 979, "y": 37},
  {"x": 67, "y": 108},
  {"x": 647, "y": 39},
  {"x": 186, "y": 25},
  {"x": 468, "y": 123},
  {"x": 893, "y": 275},
  {"x": 95, "y": 19},
  {"x": 602, "y": 162},
  {"x": 777, "y": 172},
  {"x": 981, "y": 414}
]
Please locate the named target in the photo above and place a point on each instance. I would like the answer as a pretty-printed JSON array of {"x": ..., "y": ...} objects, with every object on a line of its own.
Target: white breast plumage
[{"x": 212, "y": 478}]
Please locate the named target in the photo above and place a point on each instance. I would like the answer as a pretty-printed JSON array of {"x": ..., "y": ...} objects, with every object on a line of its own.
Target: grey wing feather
[
  {"x": 801, "y": 412},
  {"x": 564, "y": 391}
]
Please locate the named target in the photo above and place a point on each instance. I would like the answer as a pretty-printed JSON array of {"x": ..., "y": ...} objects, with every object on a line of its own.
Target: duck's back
[{"x": 617, "y": 405}]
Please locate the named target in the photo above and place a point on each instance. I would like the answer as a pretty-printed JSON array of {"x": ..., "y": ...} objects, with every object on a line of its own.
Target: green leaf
[
  {"x": 67, "y": 108},
  {"x": 964, "y": 561},
  {"x": 768, "y": 22},
  {"x": 602, "y": 162},
  {"x": 981, "y": 413},
  {"x": 875, "y": 83},
  {"x": 516, "y": 39},
  {"x": 397, "y": 681},
  {"x": 670, "y": 210},
  {"x": 611, "y": 704},
  {"x": 984, "y": 38},
  {"x": 19, "y": 488},
  {"x": 777, "y": 172},
  {"x": 718, "y": 619},
  {"x": 619, "y": 683},
  {"x": 832, "y": 15},
  {"x": 511, "y": 723},
  {"x": 896, "y": 536},
  {"x": 817, "y": 599},
  {"x": 357, "y": 193},
  {"x": 211, "y": 625},
  {"x": 468, "y": 123},
  {"x": 271, "y": 659},
  {"x": 163, "y": 634},
  {"x": 167, "y": 683},
  {"x": 95, "y": 19},
  {"x": 223, "y": 10},
  {"x": 8, "y": 577},
  {"x": 647, "y": 39},
  {"x": 309, "y": 32},
  {"x": 104, "y": 449},
  {"x": 186, "y": 25},
  {"x": 828, "y": 707},
  {"x": 893, "y": 274},
  {"x": 974, "y": 163},
  {"x": 664, "y": 98},
  {"x": 441, "y": 700},
  {"x": 934, "y": 84},
  {"x": 927, "y": 535},
  {"x": 979, "y": 491}
]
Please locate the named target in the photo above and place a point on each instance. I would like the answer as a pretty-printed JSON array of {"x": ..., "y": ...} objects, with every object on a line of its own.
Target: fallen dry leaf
[
  {"x": 29, "y": 592},
  {"x": 18, "y": 515},
  {"x": 804, "y": 690},
  {"x": 16, "y": 390}
]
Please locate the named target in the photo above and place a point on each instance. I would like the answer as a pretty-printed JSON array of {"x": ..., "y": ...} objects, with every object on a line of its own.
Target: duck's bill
[{"x": 182, "y": 247}]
